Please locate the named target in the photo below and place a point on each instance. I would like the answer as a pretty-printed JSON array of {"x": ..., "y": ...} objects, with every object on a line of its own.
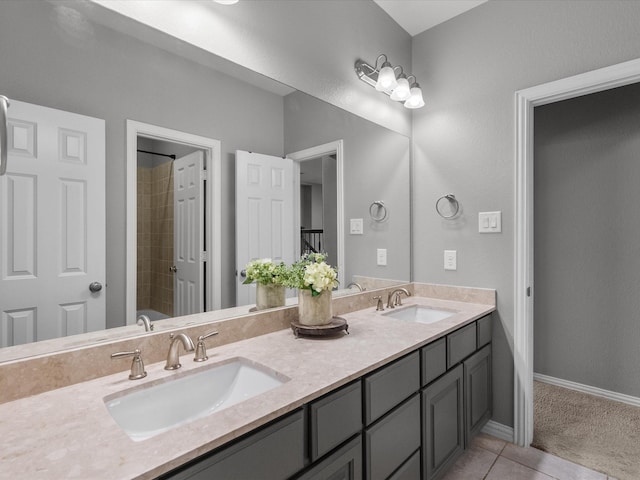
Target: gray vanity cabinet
[
  {"x": 477, "y": 392},
  {"x": 275, "y": 452},
  {"x": 456, "y": 404},
  {"x": 443, "y": 422},
  {"x": 407, "y": 420}
]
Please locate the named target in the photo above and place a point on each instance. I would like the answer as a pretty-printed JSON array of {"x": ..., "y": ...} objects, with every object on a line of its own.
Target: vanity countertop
[{"x": 68, "y": 433}]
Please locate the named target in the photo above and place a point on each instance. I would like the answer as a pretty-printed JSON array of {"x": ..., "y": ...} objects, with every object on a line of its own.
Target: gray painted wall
[
  {"x": 376, "y": 167},
  {"x": 312, "y": 46},
  {"x": 469, "y": 69},
  {"x": 586, "y": 224}
]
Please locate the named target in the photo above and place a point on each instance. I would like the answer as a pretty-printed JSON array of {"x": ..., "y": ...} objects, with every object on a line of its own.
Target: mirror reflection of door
[
  {"x": 52, "y": 216},
  {"x": 170, "y": 229},
  {"x": 264, "y": 214}
]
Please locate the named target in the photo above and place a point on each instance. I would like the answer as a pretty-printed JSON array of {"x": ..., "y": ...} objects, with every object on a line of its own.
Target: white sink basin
[
  {"x": 155, "y": 408},
  {"x": 420, "y": 314}
]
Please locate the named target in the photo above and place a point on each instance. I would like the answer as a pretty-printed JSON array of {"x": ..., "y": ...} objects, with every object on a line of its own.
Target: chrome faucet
[
  {"x": 355, "y": 284},
  {"x": 144, "y": 319},
  {"x": 394, "y": 297},
  {"x": 173, "y": 360}
]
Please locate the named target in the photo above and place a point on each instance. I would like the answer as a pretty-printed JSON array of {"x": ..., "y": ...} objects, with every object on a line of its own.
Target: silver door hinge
[
  {"x": 204, "y": 256},
  {"x": 203, "y": 174}
]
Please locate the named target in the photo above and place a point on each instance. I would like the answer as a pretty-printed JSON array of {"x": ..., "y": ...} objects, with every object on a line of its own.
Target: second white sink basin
[
  {"x": 153, "y": 409},
  {"x": 420, "y": 314}
]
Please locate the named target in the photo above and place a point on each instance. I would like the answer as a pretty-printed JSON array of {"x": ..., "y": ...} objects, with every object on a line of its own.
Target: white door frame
[
  {"x": 213, "y": 160},
  {"x": 590, "y": 82},
  {"x": 337, "y": 148}
]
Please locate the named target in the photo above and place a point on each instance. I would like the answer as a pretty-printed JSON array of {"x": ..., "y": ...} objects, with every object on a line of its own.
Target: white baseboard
[
  {"x": 498, "y": 430},
  {"x": 579, "y": 387}
]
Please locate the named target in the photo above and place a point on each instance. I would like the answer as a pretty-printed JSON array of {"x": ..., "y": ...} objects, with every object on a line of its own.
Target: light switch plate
[
  {"x": 382, "y": 256},
  {"x": 356, "y": 226},
  {"x": 490, "y": 222},
  {"x": 450, "y": 260}
]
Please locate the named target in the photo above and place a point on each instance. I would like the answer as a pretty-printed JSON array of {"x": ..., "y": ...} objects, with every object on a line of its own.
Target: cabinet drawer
[
  {"x": 393, "y": 439},
  {"x": 484, "y": 331},
  {"x": 389, "y": 386},
  {"x": 434, "y": 360},
  {"x": 274, "y": 453},
  {"x": 410, "y": 470},
  {"x": 461, "y": 344},
  {"x": 335, "y": 418},
  {"x": 343, "y": 464}
]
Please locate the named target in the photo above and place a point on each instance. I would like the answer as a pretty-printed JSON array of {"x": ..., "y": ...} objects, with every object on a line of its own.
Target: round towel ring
[
  {"x": 381, "y": 211},
  {"x": 447, "y": 206}
]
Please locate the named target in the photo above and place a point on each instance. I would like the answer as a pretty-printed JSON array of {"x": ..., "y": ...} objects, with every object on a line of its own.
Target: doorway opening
[
  {"x": 175, "y": 180},
  {"x": 591, "y": 82}
]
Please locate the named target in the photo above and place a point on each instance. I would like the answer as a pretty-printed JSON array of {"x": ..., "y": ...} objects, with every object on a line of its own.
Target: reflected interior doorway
[
  {"x": 160, "y": 290},
  {"x": 319, "y": 202},
  {"x": 206, "y": 252}
]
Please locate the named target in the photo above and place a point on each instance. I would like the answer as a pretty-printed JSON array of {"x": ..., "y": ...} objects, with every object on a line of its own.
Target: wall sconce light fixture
[{"x": 385, "y": 80}]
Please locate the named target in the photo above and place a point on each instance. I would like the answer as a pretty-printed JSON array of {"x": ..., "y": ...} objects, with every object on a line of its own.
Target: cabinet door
[
  {"x": 344, "y": 464},
  {"x": 273, "y": 453},
  {"x": 443, "y": 423},
  {"x": 477, "y": 391}
]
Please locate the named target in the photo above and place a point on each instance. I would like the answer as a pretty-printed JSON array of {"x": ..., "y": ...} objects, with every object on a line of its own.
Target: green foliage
[{"x": 264, "y": 271}]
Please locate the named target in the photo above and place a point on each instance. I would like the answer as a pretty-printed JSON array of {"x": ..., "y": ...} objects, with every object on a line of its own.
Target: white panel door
[
  {"x": 188, "y": 242},
  {"x": 52, "y": 221},
  {"x": 264, "y": 214}
]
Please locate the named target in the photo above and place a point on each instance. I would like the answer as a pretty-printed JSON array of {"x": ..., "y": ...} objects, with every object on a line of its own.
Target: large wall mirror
[{"x": 78, "y": 58}]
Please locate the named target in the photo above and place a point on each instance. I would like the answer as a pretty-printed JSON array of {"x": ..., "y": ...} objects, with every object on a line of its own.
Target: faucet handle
[
  {"x": 380, "y": 305},
  {"x": 137, "y": 365},
  {"x": 201, "y": 349}
]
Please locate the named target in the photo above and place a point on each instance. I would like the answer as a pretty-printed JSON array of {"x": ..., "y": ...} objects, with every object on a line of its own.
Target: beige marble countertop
[{"x": 68, "y": 433}]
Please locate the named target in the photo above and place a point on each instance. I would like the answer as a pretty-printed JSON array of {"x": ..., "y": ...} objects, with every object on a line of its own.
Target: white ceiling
[{"x": 416, "y": 16}]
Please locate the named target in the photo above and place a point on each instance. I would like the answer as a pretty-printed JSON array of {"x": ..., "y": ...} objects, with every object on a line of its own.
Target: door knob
[
  {"x": 173, "y": 269},
  {"x": 95, "y": 287},
  {"x": 243, "y": 273}
]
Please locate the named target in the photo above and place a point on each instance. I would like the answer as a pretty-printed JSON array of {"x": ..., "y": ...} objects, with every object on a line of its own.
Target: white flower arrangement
[{"x": 312, "y": 272}]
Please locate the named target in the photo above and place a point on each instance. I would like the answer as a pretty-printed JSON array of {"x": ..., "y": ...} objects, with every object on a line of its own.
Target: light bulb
[
  {"x": 402, "y": 92},
  {"x": 386, "y": 78},
  {"x": 415, "y": 100}
]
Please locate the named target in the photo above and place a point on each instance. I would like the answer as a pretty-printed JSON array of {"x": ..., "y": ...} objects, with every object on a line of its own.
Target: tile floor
[{"x": 489, "y": 458}]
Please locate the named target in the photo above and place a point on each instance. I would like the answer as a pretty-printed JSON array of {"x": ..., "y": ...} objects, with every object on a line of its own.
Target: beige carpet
[{"x": 601, "y": 434}]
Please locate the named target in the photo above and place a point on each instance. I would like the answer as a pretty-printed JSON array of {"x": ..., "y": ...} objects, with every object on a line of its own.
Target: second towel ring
[
  {"x": 381, "y": 211},
  {"x": 448, "y": 209}
]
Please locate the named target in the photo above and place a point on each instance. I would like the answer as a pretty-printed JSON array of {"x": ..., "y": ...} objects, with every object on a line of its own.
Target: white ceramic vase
[{"x": 314, "y": 310}]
